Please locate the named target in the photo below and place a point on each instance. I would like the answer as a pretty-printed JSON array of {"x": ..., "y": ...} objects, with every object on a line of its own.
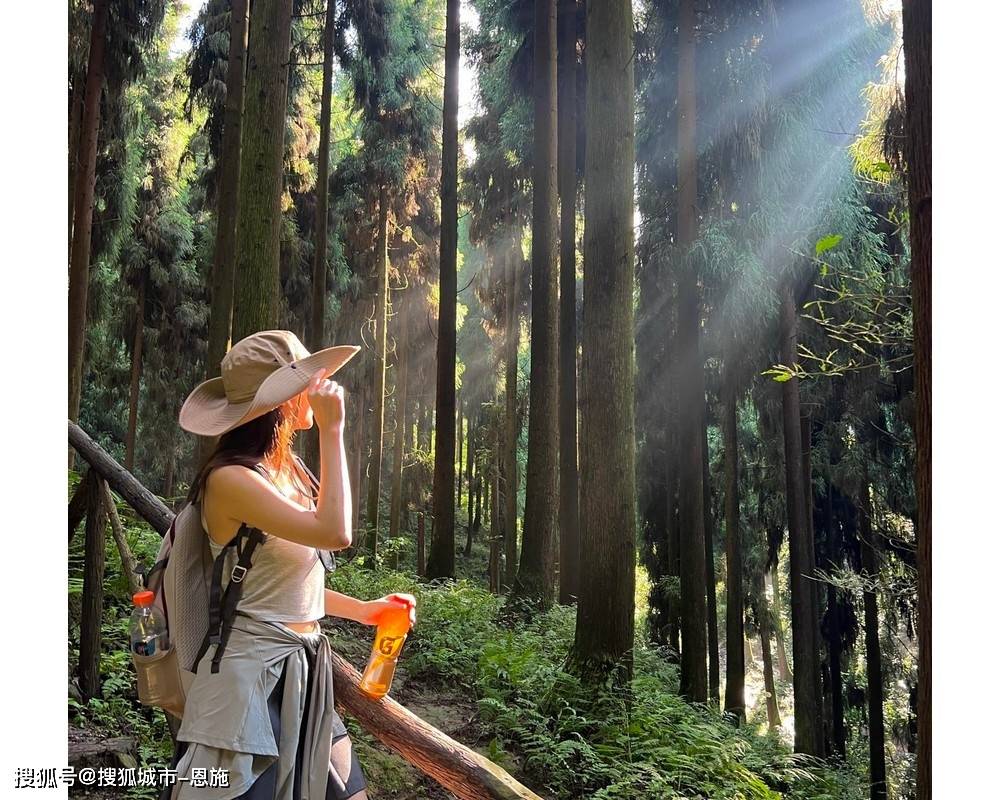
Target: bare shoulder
[{"x": 231, "y": 483}]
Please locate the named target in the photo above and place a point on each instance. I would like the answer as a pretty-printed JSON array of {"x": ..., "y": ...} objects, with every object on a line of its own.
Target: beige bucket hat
[{"x": 259, "y": 373}]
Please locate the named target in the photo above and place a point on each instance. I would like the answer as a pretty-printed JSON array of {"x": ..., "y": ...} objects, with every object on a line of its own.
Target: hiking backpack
[{"x": 187, "y": 585}]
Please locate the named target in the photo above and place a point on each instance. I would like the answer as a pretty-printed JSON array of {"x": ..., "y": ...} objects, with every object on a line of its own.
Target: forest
[{"x": 642, "y": 411}]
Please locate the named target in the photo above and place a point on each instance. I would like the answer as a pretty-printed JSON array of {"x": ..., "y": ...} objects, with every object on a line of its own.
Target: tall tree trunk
[
  {"x": 460, "y": 452},
  {"x": 873, "y": 652},
  {"x": 75, "y": 122},
  {"x": 917, "y": 52},
  {"x": 735, "y": 702},
  {"x": 317, "y": 338},
  {"x": 356, "y": 454},
  {"x": 258, "y": 227},
  {"x": 223, "y": 262},
  {"x": 784, "y": 672},
  {"x": 402, "y": 350},
  {"x": 805, "y": 651},
  {"x": 805, "y": 426},
  {"x": 421, "y": 570},
  {"x": 83, "y": 209},
  {"x": 606, "y": 605},
  {"x": 691, "y": 393},
  {"x": 834, "y": 627},
  {"x": 511, "y": 427},
  {"x": 492, "y": 484},
  {"x": 710, "y": 595},
  {"x": 481, "y": 485},
  {"x": 470, "y": 461},
  {"x": 134, "y": 381},
  {"x": 773, "y": 719},
  {"x": 569, "y": 494},
  {"x": 377, "y": 417},
  {"x": 534, "y": 573},
  {"x": 672, "y": 483},
  {"x": 442, "y": 557}
]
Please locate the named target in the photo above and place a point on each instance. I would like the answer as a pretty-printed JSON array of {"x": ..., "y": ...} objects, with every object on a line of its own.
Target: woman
[{"x": 253, "y": 717}]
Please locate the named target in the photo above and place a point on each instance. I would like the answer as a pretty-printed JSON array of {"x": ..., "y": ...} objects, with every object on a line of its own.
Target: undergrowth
[
  {"x": 577, "y": 742},
  {"x": 572, "y": 741}
]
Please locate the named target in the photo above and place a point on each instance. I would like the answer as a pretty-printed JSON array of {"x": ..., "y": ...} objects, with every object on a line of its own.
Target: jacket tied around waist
[{"x": 228, "y": 725}]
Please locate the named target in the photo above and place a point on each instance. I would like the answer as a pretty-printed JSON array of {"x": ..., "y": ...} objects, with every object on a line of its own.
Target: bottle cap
[{"x": 143, "y": 598}]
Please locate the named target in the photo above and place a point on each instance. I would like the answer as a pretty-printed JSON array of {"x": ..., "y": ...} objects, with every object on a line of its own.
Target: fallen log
[
  {"x": 89, "y": 750},
  {"x": 462, "y": 771},
  {"x": 459, "y": 769},
  {"x": 146, "y": 504}
]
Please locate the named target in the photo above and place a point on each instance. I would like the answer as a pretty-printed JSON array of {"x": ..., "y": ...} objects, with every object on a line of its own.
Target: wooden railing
[{"x": 460, "y": 770}]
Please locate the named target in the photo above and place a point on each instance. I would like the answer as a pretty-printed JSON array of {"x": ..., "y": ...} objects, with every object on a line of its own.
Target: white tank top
[{"x": 286, "y": 581}]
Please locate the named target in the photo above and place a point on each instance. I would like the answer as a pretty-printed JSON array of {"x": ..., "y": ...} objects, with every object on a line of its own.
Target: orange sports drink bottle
[{"x": 393, "y": 625}]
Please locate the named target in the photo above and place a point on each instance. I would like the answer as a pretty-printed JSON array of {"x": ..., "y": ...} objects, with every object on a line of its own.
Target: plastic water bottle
[
  {"x": 393, "y": 626},
  {"x": 147, "y": 630}
]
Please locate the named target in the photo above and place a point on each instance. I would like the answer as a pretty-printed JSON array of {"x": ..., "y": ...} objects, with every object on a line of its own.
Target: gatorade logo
[{"x": 387, "y": 644}]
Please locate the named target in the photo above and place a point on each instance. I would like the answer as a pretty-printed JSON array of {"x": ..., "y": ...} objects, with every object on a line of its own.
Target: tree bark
[
  {"x": 460, "y": 453},
  {"x": 606, "y": 604},
  {"x": 118, "y": 532},
  {"x": 496, "y": 537},
  {"x": 672, "y": 513},
  {"x": 805, "y": 426},
  {"x": 691, "y": 393},
  {"x": 834, "y": 627},
  {"x": 402, "y": 356},
  {"x": 735, "y": 702},
  {"x": 317, "y": 328},
  {"x": 534, "y": 574},
  {"x": 773, "y": 719},
  {"x": 917, "y": 52},
  {"x": 470, "y": 460},
  {"x": 472, "y": 468},
  {"x": 710, "y": 594},
  {"x": 873, "y": 652},
  {"x": 569, "y": 494},
  {"x": 784, "y": 672},
  {"x": 377, "y": 417},
  {"x": 805, "y": 651},
  {"x": 77, "y": 506},
  {"x": 147, "y": 504},
  {"x": 442, "y": 557},
  {"x": 136, "y": 373},
  {"x": 258, "y": 239},
  {"x": 220, "y": 318},
  {"x": 83, "y": 208},
  {"x": 88, "y": 668},
  {"x": 75, "y": 122},
  {"x": 511, "y": 428}
]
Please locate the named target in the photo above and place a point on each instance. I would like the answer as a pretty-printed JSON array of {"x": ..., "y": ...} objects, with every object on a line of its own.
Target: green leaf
[{"x": 827, "y": 242}]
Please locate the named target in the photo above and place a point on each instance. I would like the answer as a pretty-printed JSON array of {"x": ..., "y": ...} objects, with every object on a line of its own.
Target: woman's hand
[
  {"x": 327, "y": 400},
  {"x": 373, "y": 608}
]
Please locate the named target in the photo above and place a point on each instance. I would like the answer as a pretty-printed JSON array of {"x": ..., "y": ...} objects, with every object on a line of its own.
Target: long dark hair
[{"x": 247, "y": 444}]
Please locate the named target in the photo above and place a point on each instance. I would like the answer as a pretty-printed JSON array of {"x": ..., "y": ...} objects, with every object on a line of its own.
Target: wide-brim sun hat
[{"x": 259, "y": 373}]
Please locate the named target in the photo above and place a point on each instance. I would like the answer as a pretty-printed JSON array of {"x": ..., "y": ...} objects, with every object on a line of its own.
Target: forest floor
[{"x": 390, "y": 777}]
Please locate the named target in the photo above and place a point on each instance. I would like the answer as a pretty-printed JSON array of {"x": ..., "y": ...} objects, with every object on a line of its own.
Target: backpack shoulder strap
[{"x": 222, "y": 605}]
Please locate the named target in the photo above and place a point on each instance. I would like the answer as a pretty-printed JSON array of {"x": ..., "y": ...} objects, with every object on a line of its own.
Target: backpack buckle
[{"x": 242, "y": 573}]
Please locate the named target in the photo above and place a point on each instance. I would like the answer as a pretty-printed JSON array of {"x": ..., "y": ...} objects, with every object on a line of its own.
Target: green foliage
[{"x": 575, "y": 741}]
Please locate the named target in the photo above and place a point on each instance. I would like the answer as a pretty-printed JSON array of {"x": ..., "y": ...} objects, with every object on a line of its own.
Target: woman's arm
[
  {"x": 366, "y": 612},
  {"x": 336, "y": 604},
  {"x": 246, "y": 496}
]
